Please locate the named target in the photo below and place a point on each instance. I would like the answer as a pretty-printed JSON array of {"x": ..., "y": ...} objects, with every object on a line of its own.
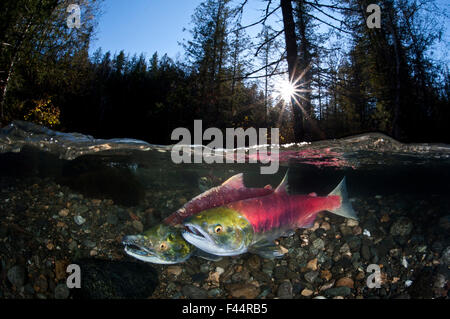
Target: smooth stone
[
  {"x": 318, "y": 244},
  {"x": 61, "y": 291},
  {"x": 401, "y": 227},
  {"x": 193, "y": 292},
  {"x": 247, "y": 291},
  {"x": 79, "y": 220},
  {"x": 285, "y": 290},
  {"x": 445, "y": 258},
  {"x": 311, "y": 276},
  {"x": 365, "y": 252},
  {"x": 338, "y": 291},
  {"x": 174, "y": 270},
  {"x": 307, "y": 292},
  {"x": 16, "y": 276},
  {"x": 73, "y": 245},
  {"x": 345, "y": 282},
  {"x": 215, "y": 292}
]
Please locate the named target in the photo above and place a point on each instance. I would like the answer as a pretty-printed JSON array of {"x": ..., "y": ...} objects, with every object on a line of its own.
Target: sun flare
[{"x": 286, "y": 90}]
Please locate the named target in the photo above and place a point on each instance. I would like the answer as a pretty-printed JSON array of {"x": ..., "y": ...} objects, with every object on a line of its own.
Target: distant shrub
[{"x": 43, "y": 112}]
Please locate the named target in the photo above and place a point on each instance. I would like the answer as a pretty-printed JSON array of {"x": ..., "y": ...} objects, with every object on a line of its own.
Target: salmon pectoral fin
[
  {"x": 346, "y": 209},
  {"x": 266, "y": 249},
  {"x": 207, "y": 256},
  {"x": 308, "y": 222}
]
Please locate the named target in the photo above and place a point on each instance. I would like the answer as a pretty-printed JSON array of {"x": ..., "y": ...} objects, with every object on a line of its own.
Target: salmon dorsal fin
[
  {"x": 236, "y": 181},
  {"x": 283, "y": 187}
]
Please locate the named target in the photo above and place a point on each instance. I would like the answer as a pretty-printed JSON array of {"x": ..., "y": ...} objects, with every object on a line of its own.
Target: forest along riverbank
[{"x": 45, "y": 226}]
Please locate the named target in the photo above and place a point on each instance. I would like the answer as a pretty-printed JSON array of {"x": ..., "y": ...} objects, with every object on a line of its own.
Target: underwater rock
[
  {"x": 79, "y": 220},
  {"x": 61, "y": 291},
  {"x": 446, "y": 256},
  {"x": 40, "y": 284},
  {"x": 312, "y": 264},
  {"x": 338, "y": 291},
  {"x": 16, "y": 276},
  {"x": 311, "y": 276},
  {"x": 345, "y": 282},
  {"x": 345, "y": 230},
  {"x": 285, "y": 290},
  {"x": 215, "y": 292},
  {"x": 354, "y": 242},
  {"x": 246, "y": 291},
  {"x": 318, "y": 244},
  {"x": 422, "y": 286},
  {"x": 199, "y": 277},
  {"x": 241, "y": 276},
  {"x": 440, "y": 281},
  {"x": 174, "y": 270},
  {"x": 280, "y": 272},
  {"x": 104, "y": 279},
  {"x": 193, "y": 292},
  {"x": 307, "y": 292},
  {"x": 254, "y": 262},
  {"x": 401, "y": 227}
]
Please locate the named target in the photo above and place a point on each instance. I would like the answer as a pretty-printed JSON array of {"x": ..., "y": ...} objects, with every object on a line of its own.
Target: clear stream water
[{"x": 380, "y": 172}]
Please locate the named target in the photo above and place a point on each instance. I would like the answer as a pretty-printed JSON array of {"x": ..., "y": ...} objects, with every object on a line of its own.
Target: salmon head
[
  {"x": 221, "y": 231},
  {"x": 161, "y": 244}
]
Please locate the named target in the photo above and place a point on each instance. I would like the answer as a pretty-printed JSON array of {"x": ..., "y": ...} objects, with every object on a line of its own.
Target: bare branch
[
  {"x": 330, "y": 16},
  {"x": 330, "y": 6},
  {"x": 329, "y": 24},
  {"x": 268, "y": 40},
  {"x": 263, "y": 20},
  {"x": 248, "y": 75}
]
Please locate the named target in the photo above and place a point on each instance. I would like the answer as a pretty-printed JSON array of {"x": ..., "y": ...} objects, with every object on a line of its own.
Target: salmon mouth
[
  {"x": 193, "y": 230},
  {"x": 136, "y": 250},
  {"x": 133, "y": 248}
]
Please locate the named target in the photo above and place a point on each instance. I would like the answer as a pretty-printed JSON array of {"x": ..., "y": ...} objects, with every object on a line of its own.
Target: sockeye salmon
[
  {"x": 164, "y": 244},
  {"x": 253, "y": 224}
]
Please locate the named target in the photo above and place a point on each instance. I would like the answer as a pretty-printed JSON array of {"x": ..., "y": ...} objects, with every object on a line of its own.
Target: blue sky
[
  {"x": 143, "y": 26},
  {"x": 146, "y": 26}
]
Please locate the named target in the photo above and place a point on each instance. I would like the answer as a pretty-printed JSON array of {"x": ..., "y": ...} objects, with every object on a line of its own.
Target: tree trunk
[
  {"x": 396, "y": 44},
  {"x": 5, "y": 89},
  {"x": 292, "y": 60},
  {"x": 14, "y": 58},
  {"x": 303, "y": 64}
]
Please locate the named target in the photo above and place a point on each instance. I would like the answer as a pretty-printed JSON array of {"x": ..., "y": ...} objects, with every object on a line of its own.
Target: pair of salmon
[{"x": 232, "y": 219}]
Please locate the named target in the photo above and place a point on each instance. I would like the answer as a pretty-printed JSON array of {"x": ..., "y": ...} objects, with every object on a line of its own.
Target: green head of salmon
[
  {"x": 221, "y": 231},
  {"x": 162, "y": 244}
]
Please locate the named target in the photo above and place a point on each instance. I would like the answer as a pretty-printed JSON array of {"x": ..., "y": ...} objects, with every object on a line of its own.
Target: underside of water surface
[{"x": 68, "y": 198}]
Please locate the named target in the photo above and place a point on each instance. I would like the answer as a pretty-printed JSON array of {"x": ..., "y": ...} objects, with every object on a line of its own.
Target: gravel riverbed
[{"x": 45, "y": 226}]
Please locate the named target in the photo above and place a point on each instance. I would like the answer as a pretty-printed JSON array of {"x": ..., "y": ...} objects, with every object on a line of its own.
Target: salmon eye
[
  {"x": 218, "y": 229},
  {"x": 163, "y": 246}
]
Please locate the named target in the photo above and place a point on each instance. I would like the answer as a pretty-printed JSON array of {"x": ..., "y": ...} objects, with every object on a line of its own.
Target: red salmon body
[
  {"x": 230, "y": 191},
  {"x": 279, "y": 210}
]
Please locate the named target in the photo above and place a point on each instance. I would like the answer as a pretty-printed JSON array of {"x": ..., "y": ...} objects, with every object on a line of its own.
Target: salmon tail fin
[{"x": 346, "y": 209}]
